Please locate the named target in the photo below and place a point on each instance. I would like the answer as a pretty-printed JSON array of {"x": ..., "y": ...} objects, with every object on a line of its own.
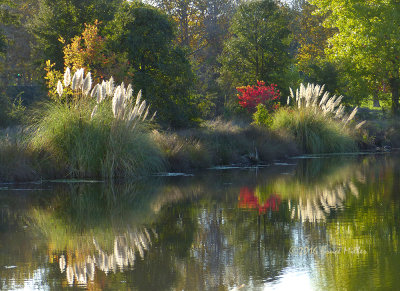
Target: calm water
[{"x": 313, "y": 224}]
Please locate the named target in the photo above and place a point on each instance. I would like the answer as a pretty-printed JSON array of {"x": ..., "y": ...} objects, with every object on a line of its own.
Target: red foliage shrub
[{"x": 251, "y": 96}]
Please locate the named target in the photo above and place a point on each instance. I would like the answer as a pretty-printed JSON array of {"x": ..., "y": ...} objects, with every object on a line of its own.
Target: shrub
[
  {"x": 262, "y": 116},
  {"x": 319, "y": 125},
  {"x": 251, "y": 96},
  {"x": 97, "y": 132}
]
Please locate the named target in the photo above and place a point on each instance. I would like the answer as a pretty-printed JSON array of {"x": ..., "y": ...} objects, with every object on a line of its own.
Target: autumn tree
[
  {"x": 367, "y": 44},
  {"x": 66, "y": 19},
  {"x": 90, "y": 52}
]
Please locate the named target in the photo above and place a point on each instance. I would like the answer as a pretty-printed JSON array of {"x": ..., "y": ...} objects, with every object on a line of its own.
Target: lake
[{"x": 309, "y": 223}]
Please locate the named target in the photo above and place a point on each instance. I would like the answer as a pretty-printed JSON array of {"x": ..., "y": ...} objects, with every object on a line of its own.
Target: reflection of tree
[
  {"x": 194, "y": 234},
  {"x": 370, "y": 224}
]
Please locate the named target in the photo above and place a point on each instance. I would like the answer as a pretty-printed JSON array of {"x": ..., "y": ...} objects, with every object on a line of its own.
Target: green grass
[
  {"x": 313, "y": 131},
  {"x": 99, "y": 147}
]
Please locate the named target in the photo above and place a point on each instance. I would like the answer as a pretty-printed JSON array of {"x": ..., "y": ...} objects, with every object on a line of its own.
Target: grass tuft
[
  {"x": 101, "y": 146},
  {"x": 313, "y": 131}
]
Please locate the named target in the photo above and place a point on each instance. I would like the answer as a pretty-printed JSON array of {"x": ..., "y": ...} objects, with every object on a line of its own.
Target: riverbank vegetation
[{"x": 218, "y": 79}]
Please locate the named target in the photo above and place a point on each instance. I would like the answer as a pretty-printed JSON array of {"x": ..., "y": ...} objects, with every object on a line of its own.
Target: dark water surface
[{"x": 330, "y": 223}]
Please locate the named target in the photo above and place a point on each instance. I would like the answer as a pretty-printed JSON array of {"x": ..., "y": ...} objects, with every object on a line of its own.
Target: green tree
[
  {"x": 258, "y": 48},
  {"x": 367, "y": 44},
  {"x": 145, "y": 36}
]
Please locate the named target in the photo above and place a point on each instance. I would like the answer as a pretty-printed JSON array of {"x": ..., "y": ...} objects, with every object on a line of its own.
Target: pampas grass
[
  {"x": 102, "y": 132},
  {"x": 317, "y": 121}
]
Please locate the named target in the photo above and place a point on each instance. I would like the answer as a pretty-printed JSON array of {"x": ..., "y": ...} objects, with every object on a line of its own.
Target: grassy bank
[
  {"x": 222, "y": 143},
  {"x": 104, "y": 134},
  {"x": 86, "y": 150}
]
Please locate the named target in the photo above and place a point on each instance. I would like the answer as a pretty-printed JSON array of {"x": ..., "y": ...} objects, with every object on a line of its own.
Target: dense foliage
[
  {"x": 160, "y": 68},
  {"x": 258, "y": 48},
  {"x": 251, "y": 96}
]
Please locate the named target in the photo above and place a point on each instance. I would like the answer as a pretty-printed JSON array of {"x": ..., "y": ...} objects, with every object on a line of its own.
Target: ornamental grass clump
[
  {"x": 98, "y": 131},
  {"x": 318, "y": 122}
]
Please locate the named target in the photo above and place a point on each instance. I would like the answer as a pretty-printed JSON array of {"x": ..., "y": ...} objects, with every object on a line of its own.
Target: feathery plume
[
  {"x": 59, "y": 88},
  {"x": 110, "y": 87},
  {"x": 75, "y": 81},
  {"x": 117, "y": 102},
  {"x": 129, "y": 92},
  {"x": 67, "y": 77},
  {"x": 352, "y": 114},
  {"x": 154, "y": 115},
  {"x": 87, "y": 84},
  {"x": 358, "y": 126},
  {"x": 95, "y": 91},
  {"x": 145, "y": 114}
]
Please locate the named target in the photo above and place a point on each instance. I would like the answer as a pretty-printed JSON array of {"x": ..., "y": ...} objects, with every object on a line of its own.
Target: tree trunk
[
  {"x": 375, "y": 99},
  {"x": 394, "y": 84}
]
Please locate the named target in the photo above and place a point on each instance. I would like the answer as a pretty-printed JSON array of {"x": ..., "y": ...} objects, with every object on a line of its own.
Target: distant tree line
[{"x": 188, "y": 56}]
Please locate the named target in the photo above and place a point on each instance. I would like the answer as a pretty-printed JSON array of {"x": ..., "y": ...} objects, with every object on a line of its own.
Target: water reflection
[
  {"x": 126, "y": 248},
  {"x": 218, "y": 230}
]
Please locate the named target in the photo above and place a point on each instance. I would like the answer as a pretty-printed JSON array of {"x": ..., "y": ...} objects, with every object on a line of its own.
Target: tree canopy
[
  {"x": 367, "y": 43},
  {"x": 160, "y": 68},
  {"x": 65, "y": 19},
  {"x": 258, "y": 48}
]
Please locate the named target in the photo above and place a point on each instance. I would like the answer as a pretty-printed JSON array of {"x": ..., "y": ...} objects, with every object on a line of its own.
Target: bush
[
  {"x": 251, "y": 96},
  {"x": 262, "y": 116}
]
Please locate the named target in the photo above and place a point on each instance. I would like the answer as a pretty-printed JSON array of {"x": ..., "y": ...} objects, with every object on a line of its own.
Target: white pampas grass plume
[
  {"x": 87, "y": 84},
  {"x": 139, "y": 96},
  {"x": 352, "y": 114},
  {"x": 129, "y": 92},
  {"x": 95, "y": 91},
  {"x": 358, "y": 126},
  {"x": 77, "y": 79},
  {"x": 145, "y": 114},
  {"x": 59, "y": 88},
  {"x": 141, "y": 108},
  {"x": 94, "y": 112},
  {"x": 154, "y": 115},
  {"x": 67, "y": 77},
  {"x": 62, "y": 263},
  {"x": 291, "y": 93},
  {"x": 103, "y": 90},
  {"x": 117, "y": 102},
  {"x": 110, "y": 87}
]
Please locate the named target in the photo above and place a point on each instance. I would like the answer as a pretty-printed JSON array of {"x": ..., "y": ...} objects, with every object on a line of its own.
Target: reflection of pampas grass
[
  {"x": 316, "y": 207},
  {"x": 124, "y": 252}
]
